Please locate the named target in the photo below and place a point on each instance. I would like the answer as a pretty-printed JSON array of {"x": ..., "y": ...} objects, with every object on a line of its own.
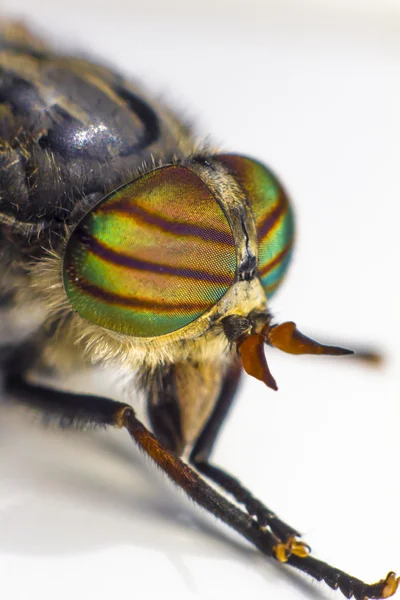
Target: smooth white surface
[{"x": 315, "y": 93}]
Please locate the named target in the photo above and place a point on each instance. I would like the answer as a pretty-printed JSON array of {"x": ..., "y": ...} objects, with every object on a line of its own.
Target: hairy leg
[
  {"x": 200, "y": 458},
  {"x": 83, "y": 410}
]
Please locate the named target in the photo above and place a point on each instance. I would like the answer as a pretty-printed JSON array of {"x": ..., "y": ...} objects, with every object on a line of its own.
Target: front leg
[
  {"x": 201, "y": 453},
  {"x": 288, "y": 549},
  {"x": 93, "y": 410},
  {"x": 86, "y": 411}
]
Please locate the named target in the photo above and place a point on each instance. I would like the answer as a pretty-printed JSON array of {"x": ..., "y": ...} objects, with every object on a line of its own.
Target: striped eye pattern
[
  {"x": 273, "y": 216},
  {"x": 151, "y": 257}
]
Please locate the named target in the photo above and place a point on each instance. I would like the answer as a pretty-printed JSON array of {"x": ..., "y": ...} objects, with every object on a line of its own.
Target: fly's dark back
[{"x": 71, "y": 129}]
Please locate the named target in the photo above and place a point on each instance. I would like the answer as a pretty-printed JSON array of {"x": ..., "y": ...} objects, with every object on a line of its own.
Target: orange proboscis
[
  {"x": 285, "y": 337},
  {"x": 251, "y": 350},
  {"x": 289, "y": 339}
]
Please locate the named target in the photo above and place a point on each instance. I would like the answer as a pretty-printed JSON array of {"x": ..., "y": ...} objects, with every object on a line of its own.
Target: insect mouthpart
[{"x": 251, "y": 334}]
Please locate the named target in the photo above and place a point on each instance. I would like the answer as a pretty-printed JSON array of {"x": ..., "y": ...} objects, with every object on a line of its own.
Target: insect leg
[
  {"x": 66, "y": 409},
  {"x": 70, "y": 409},
  {"x": 93, "y": 410},
  {"x": 317, "y": 569},
  {"x": 200, "y": 459},
  {"x": 205, "y": 496}
]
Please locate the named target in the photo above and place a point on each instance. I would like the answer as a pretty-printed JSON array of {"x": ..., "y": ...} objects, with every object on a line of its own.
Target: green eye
[
  {"x": 273, "y": 216},
  {"x": 152, "y": 257}
]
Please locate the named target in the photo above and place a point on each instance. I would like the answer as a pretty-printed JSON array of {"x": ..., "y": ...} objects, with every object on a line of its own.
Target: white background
[{"x": 313, "y": 89}]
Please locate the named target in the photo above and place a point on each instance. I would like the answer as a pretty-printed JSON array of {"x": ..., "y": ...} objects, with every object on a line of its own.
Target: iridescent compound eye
[
  {"x": 151, "y": 257},
  {"x": 273, "y": 216}
]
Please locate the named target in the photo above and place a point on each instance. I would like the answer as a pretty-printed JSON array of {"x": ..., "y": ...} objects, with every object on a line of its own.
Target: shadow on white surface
[{"x": 71, "y": 493}]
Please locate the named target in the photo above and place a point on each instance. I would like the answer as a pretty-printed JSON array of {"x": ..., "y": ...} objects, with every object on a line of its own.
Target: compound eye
[
  {"x": 273, "y": 216},
  {"x": 151, "y": 257}
]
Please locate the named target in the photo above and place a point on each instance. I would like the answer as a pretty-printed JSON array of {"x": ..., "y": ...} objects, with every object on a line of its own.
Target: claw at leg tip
[
  {"x": 391, "y": 585},
  {"x": 293, "y": 546}
]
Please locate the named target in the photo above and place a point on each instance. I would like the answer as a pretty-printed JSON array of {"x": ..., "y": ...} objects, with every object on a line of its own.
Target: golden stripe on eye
[
  {"x": 151, "y": 257},
  {"x": 111, "y": 298},
  {"x": 271, "y": 219},
  {"x": 102, "y": 251},
  {"x": 269, "y": 289},
  {"x": 272, "y": 214},
  {"x": 276, "y": 260},
  {"x": 125, "y": 208}
]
